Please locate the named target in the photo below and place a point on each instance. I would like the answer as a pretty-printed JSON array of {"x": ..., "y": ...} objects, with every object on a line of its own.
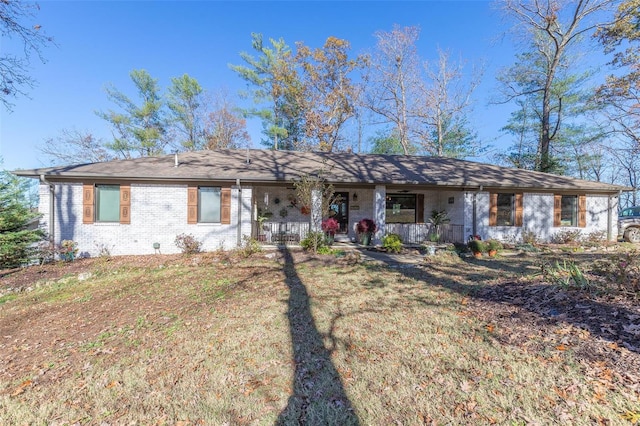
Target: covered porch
[{"x": 278, "y": 217}]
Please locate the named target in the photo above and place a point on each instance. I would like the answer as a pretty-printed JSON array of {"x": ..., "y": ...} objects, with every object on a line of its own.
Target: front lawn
[{"x": 285, "y": 338}]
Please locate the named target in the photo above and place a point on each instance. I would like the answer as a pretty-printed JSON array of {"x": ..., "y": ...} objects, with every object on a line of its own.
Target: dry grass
[{"x": 211, "y": 340}]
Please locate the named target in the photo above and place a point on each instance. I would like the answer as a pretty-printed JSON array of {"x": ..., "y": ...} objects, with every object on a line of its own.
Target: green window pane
[
  {"x": 569, "y": 214},
  {"x": 108, "y": 203},
  {"x": 208, "y": 204}
]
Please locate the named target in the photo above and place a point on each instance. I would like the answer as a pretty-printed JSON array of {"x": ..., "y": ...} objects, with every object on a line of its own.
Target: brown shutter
[
  {"x": 192, "y": 204},
  {"x": 420, "y": 208},
  {"x": 125, "y": 204},
  {"x": 87, "y": 203},
  {"x": 225, "y": 206},
  {"x": 493, "y": 209},
  {"x": 582, "y": 211},
  {"x": 519, "y": 209},
  {"x": 557, "y": 210}
]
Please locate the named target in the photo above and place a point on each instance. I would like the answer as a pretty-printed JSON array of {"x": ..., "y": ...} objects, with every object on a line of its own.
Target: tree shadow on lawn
[
  {"x": 318, "y": 397},
  {"x": 548, "y": 303}
]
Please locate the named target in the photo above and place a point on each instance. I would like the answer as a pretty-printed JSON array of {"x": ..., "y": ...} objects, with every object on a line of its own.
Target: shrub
[
  {"x": 366, "y": 226},
  {"x": 392, "y": 242},
  {"x": 330, "y": 226},
  {"x": 188, "y": 244},
  {"x": 313, "y": 241},
  {"x": 494, "y": 245},
  {"x": 46, "y": 252},
  {"x": 249, "y": 246},
  {"x": 529, "y": 237},
  {"x": 477, "y": 246},
  {"x": 68, "y": 250},
  {"x": 597, "y": 237},
  {"x": 17, "y": 236},
  {"x": 567, "y": 236}
]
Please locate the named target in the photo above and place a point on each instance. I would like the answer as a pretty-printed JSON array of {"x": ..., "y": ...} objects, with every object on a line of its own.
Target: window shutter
[
  {"x": 125, "y": 204},
  {"x": 519, "y": 209},
  {"x": 87, "y": 203},
  {"x": 557, "y": 210},
  {"x": 192, "y": 204},
  {"x": 420, "y": 208},
  {"x": 493, "y": 209},
  {"x": 225, "y": 206},
  {"x": 582, "y": 211}
]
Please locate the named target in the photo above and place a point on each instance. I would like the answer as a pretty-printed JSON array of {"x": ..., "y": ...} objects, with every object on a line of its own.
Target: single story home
[{"x": 139, "y": 206}]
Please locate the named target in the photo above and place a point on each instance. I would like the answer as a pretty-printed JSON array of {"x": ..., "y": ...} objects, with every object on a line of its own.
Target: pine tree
[{"x": 17, "y": 239}]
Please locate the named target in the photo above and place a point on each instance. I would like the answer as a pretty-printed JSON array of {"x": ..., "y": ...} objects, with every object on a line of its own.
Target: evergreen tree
[{"x": 16, "y": 236}]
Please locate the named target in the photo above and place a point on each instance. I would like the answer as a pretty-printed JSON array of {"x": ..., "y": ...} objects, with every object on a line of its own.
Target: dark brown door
[{"x": 340, "y": 211}]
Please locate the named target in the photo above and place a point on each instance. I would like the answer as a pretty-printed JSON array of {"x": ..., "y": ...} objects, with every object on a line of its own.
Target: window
[
  {"x": 401, "y": 208},
  {"x": 106, "y": 203},
  {"x": 208, "y": 204},
  {"x": 505, "y": 209},
  {"x": 570, "y": 210}
]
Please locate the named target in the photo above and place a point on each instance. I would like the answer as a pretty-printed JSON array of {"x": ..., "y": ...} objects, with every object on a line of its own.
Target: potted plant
[
  {"x": 477, "y": 247},
  {"x": 366, "y": 228},
  {"x": 493, "y": 246},
  {"x": 330, "y": 226}
]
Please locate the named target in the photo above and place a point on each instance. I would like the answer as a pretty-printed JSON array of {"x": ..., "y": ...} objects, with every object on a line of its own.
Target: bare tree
[
  {"x": 14, "y": 67},
  {"x": 73, "y": 146},
  {"x": 549, "y": 29},
  {"x": 393, "y": 75},
  {"x": 441, "y": 115}
]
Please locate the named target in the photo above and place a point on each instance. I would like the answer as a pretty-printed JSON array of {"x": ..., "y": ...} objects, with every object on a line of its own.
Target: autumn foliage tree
[{"x": 329, "y": 92}]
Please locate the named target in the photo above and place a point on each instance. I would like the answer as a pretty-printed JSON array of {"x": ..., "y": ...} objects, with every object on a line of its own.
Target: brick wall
[{"x": 158, "y": 215}]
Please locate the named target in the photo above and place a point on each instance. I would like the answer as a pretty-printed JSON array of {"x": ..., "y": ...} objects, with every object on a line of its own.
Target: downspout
[
  {"x": 475, "y": 212},
  {"x": 52, "y": 198},
  {"x": 239, "y": 226}
]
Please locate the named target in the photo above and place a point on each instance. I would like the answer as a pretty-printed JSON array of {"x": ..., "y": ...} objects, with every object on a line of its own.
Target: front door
[{"x": 340, "y": 211}]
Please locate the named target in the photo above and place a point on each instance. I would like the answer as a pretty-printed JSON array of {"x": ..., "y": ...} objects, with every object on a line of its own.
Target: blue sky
[{"x": 100, "y": 42}]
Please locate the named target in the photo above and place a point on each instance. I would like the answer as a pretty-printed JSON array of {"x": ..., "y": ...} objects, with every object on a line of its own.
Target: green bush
[
  {"x": 494, "y": 245},
  {"x": 392, "y": 242},
  {"x": 17, "y": 237},
  {"x": 477, "y": 246}
]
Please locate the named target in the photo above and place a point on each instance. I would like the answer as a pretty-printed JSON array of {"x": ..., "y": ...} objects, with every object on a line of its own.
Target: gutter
[
  {"x": 475, "y": 212},
  {"x": 239, "y": 225},
  {"x": 52, "y": 199}
]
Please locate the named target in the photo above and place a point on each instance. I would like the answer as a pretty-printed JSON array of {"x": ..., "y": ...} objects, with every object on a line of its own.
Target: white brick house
[{"x": 128, "y": 206}]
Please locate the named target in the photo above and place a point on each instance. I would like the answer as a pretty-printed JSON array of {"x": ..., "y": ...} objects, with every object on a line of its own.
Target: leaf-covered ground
[{"x": 285, "y": 338}]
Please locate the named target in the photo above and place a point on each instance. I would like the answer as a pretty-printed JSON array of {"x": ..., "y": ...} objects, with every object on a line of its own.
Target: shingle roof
[{"x": 284, "y": 166}]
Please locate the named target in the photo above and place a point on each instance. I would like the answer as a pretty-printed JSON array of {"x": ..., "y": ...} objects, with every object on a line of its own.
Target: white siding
[{"x": 158, "y": 215}]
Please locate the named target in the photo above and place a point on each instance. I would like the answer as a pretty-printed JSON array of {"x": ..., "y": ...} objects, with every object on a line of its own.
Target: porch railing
[
  {"x": 418, "y": 233},
  {"x": 282, "y": 232}
]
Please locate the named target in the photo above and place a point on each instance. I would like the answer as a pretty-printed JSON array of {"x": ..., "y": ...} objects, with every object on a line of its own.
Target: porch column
[
  {"x": 316, "y": 211},
  {"x": 379, "y": 212}
]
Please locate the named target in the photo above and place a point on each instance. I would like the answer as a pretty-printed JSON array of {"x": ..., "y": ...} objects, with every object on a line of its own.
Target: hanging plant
[{"x": 305, "y": 210}]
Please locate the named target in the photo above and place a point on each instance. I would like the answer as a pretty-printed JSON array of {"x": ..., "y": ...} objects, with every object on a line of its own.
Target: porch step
[{"x": 342, "y": 238}]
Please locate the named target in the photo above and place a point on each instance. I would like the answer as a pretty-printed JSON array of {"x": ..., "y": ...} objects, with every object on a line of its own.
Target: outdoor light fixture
[{"x": 355, "y": 197}]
